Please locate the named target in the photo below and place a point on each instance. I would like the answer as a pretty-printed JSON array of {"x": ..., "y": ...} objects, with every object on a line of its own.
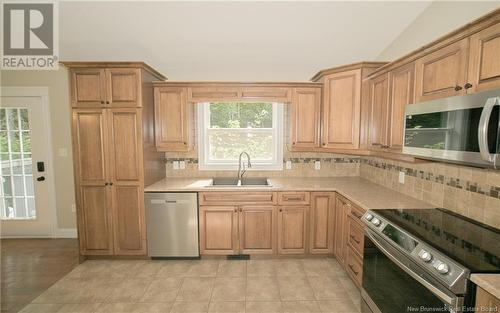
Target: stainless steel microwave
[{"x": 462, "y": 129}]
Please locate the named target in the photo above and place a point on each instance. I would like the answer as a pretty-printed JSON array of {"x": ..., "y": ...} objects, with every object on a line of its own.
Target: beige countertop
[
  {"x": 489, "y": 282},
  {"x": 362, "y": 192}
]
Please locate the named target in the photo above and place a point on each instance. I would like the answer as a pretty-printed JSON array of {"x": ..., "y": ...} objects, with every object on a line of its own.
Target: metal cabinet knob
[
  {"x": 468, "y": 85},
  {"x": 457, "y": 88}
]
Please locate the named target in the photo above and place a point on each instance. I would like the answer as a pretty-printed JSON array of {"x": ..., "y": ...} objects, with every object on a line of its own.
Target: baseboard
[{"x": 66, "y": 233}]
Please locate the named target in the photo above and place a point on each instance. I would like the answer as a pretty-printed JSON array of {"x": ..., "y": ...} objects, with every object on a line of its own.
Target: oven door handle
[
  {"x": 452, "y": 301},
  {"x": 482, "y": 133}
]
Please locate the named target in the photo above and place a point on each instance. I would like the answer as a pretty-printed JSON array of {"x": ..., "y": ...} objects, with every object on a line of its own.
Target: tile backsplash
[{"x": 468, "y": 191}]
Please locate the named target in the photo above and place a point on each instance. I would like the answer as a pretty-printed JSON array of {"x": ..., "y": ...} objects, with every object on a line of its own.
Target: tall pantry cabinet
[{"x": 114, "y": 153}]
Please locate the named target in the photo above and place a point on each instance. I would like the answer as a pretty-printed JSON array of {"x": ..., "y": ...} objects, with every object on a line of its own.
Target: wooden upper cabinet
[
  {"x": 125, "y": 153},
  {"x": 292, "y": 229},
  {"x": 484, "y": 61},
  {"x": 322, "y": 222},
  {"x": 379, "y": 102},
  {"x": 341, "y": 110},
  {"x": 88, "y": 88},
  {"x": 401, "y": 82},
  {"x": 173, "y": 116},
  {"x": 218, "y": 230},
  {"x": 304, "y": 114},
  {"x": 275, "y": 94},
  {"x": 123, "y": 87},
  {"x": 442, "y": 73},
  {"x": 257, "y": 229}
]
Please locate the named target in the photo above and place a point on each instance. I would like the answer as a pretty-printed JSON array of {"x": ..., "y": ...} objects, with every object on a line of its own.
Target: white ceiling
[{"x": 280, "y": 41}]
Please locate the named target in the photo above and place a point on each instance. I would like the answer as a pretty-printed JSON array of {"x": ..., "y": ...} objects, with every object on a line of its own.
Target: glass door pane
[{"x": 17, "y": 198}]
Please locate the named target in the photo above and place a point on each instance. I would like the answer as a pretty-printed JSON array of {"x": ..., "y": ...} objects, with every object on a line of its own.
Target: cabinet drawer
[
  {"x": 356, "y": 236},
  {"x": 291, "y": 198},
  {"x": 234, "y": 198},
  {"x": 354, "y": 267},
  {"x": 356, "y": 212}
]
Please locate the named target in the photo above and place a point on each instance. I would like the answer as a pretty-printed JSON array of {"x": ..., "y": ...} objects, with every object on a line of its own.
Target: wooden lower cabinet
[
  {"x": 257, "y": 229},
  {"x": 292, "y": 229},
  {"x": 218, "y": 230},
  {"x": 322, "y": 222},
  {"x": 486, "y": 302},
  {"x": 354, "y": 267},
  {"x": 340, "y": 245}
]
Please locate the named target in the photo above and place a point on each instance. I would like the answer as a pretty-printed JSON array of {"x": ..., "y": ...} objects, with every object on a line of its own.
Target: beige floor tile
[
  {"x": 295, "y": 288},
  {"x": 174, "y": 269},
  {"x": 289, "y": 268},
  {"x": 196, "y": 289},
  {"x": 260, "y": 268},
  {"x": 79, "y": 308},
  {"x": 189, "y": 307},
  {"x": 232, "y": 269},
  {"x": 348, "y": 285},
  {"x": 135, "y": 308},
  {"x": 67, "y": 290},
  {"x": 229, "y": 289},
  {"x": 262, "y": 289},
  {"x": 337, "y": 306},
  {"x": 327, "y": 288},
  {"x": 203, "y": 268},
  {"x": 300, "y": 306},
  {"x": 129, "y": 290},
  {"x": 97, "y": 290},
  {"x": 41, "y": 308},
  {"x": 124, "y": 268},
  {"x": 162, "y": 290},
  {"x": 149, "y": 268},
  {"x": 322, "y": 267},
  {"x": 92, "y": 268},
  {"x": 227, "y": 307},
  {"x": 263, "y": 307}
]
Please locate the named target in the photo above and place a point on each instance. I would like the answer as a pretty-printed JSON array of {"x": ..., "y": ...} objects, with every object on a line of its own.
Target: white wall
[
  {"x": 60, "y": 115},
  {"x": 438, "y": 19}
]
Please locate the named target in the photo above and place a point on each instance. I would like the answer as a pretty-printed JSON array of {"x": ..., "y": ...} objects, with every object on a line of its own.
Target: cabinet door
[
  {"x": 341, "y": 211},
  {"x": 88, "y": 88},
  {"x": 484, "y": 62},
  {"x": 218, "y": 230},
  {"x": 92, "y": 194},
  {"x": 485, "y": 301},
  {"x": 442, "y": 73},
  {"x": 172, "y": 119},
  {"x": 322, "y": 222},
  {"x": 379, "y": 101},
  {"x": 125, "y": 163},
  {"x": 257, "y": 230},
  {"x": 292, "y": 229},
  {"x": 341, "y": 110},
  {"x": 401, "y": 89},
  {"x": 304, "y": 118},
  {"x": 123, "y": 87}
]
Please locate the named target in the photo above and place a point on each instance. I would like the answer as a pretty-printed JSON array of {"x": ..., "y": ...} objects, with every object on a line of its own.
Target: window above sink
[{"x": 225, "y": 129}]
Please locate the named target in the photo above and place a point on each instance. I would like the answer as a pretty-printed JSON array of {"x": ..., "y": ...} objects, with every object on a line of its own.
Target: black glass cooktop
[{"x": 470, "y": 243}]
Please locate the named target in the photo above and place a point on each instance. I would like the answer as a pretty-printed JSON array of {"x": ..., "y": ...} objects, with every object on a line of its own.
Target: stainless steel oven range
[{"x": 421, "y": 260}]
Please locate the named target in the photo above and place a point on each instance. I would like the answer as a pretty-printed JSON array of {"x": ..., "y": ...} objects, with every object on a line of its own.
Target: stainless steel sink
[{"x": 244, "y": 182}]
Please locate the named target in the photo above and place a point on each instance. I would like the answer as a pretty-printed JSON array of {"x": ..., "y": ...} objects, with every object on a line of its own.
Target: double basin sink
[{"x": 243, "y": 182}]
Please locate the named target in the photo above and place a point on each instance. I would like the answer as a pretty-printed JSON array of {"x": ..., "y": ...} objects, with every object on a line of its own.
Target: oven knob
[
  {"x": 368, "y": 216},
  {"x": 376, "y": 221},
  {"x": 442, "y": 267},
  {"x": 426, "y": 256}
]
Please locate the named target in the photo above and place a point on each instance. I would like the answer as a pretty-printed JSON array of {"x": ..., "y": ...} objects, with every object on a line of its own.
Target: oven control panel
[{"x": 434, "y": 262}]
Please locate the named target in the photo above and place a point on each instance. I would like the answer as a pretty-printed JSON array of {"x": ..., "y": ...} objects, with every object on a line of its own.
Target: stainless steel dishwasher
[{"x": 172, "y": 224}]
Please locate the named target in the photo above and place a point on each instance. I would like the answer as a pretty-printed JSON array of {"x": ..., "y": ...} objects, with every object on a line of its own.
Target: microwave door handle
[
  {"x": 452, "y": 301},
  {"x": 482, "y": 133}
]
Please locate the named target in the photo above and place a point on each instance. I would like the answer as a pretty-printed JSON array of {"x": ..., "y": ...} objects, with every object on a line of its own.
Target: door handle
[
  {"x": 41, "y": 178},
  {"x": 482, "y": 133}
]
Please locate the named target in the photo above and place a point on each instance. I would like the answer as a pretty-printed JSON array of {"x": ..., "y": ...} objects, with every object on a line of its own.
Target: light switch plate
[
  {"x": 317, "y": 165},
  {"x": 175, "y": 165},
  {"x": 401, "y": 177},
  {"x": 182, "y": 165},
  {"x": 288, "y": 165},
  {"x": 73, "y": 208}
]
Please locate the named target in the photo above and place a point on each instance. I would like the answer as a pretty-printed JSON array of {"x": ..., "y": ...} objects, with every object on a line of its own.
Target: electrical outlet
[
  {"x": 317, "y": 165},
  {"x": 182, "y": 165},
  {"x": 288, "y": 165},
  {"x": 73, "y": 208},
  {"x": 175, "y": 165},
  {"x": 401, "y": 177}
]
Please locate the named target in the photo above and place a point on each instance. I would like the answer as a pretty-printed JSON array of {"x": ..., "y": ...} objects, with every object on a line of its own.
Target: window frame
[{"x": 204, "y": 164}]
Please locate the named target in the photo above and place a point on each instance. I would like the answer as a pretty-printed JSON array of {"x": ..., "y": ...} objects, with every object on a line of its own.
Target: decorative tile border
[
  {"x": 490, "y": 191},
  {"x": 341, "y": 160}
]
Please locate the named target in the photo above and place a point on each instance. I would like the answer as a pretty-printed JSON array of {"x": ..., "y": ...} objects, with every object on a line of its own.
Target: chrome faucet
[{"x": 242, "y": 165}]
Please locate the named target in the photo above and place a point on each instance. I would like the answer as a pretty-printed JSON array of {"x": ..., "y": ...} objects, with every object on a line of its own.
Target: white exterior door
[{"x": 27, "y": 207}]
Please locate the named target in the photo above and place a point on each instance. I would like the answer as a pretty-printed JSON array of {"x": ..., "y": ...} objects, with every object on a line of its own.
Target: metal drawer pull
[
  {"x": 353, "y": 270},
  {"x": 355, "y": 214},
  {"x": 293, "y": 198},
  {"x": 354, "y": 238}
]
